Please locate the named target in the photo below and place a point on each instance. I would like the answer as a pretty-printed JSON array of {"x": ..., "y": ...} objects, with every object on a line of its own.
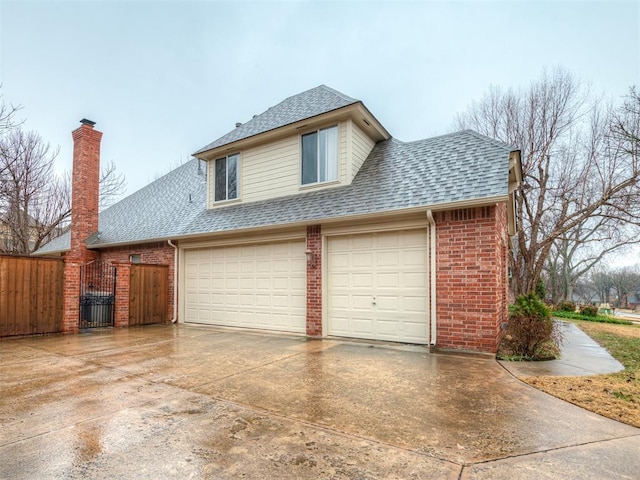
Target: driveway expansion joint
[{"x": 366, "y": 412}]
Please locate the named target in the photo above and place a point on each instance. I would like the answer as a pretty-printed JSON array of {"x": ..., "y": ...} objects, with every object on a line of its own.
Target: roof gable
[
  {"x": 457, "y": 170},
  {"x": 311, "y": 103},
  {"x": 461, "y": 168}
]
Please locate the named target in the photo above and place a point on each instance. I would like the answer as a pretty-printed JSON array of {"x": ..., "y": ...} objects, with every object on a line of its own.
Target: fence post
[
  {"x": 123, "y": 282},
  {"x": 71, "y": 293}
]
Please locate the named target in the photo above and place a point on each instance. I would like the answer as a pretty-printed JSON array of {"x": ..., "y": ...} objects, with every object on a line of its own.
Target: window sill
[
  {"x": 224, "y": 203},
  {"x": 312, "y": 186}
]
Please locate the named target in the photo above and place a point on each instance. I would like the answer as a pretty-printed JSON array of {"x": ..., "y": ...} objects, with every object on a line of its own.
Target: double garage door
[
  {"x": 255, "y": 286},
  {"x": 377, "y": 285}
]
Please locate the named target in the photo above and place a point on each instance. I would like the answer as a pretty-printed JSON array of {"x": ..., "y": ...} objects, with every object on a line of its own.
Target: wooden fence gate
[
  {"x": 148, "y": 294},
  {"x": 31, "y": 295}
]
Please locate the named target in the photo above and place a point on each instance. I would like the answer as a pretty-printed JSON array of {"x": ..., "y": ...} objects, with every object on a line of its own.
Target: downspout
[
  {"x": 432, "y": 279},
  {"x": 175, "y": 281}
]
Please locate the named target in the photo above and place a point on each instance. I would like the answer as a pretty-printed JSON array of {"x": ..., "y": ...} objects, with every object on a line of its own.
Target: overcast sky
[{"x": 162, "y": 79}]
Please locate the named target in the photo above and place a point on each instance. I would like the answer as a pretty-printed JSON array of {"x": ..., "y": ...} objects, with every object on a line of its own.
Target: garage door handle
[{"x": 374, "y": 301}]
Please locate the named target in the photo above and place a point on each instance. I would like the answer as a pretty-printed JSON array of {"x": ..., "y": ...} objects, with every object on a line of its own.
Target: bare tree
[
  {"x": 112, "y": 185},
  {"x": 35, "y": 203},
  {"x": 7, "y": 122},
  {"x": 624, "y": 281},
  {"x": 602, "y": 284},
  {"x": 7, "y": 116},
  {"x": 575, "y": 253},
  {"x": 577, "y": 168}
]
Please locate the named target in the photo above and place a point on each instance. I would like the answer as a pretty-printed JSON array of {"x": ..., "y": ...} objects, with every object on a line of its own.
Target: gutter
[
  {"x": 432, "y": 279},
  {"x": 480, "y": 202},
  {"x": 175, "y": 281}
]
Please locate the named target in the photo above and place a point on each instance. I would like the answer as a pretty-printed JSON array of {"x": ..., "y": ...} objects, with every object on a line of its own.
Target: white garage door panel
[
  {"x": 258, "y": 286},
  {"x": 378, "y": 286}
]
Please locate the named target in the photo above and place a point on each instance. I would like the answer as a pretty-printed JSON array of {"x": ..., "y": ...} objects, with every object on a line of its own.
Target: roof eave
[
  {"x": 515, "y": 180},
  {"x": 49, "y": 253},
  {"x": 436, "y": 207},
  {"x": 357, "y": 110}
]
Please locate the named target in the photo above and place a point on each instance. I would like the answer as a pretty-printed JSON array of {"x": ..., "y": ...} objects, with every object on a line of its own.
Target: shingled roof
[
  {"x": 303, "y": 106},
  {"x": 396, "y": 176},
  {"x": 158, "y": 211}
]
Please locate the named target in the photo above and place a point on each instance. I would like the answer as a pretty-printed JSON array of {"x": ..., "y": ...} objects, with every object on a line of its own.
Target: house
[
  {"x": 311, "y": 218},
  {"x": 633, "y": 300},
  {"x": 19, "y": 244}
]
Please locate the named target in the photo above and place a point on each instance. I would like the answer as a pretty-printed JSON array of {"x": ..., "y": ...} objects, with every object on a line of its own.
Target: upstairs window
[
  {"x": 226, "y": 178},
  {"x": 320, "y": 156}
]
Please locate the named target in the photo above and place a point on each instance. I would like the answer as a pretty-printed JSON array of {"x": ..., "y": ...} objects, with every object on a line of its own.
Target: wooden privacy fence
[
  {"x": 31, "y": 295},
  {"x": 148, "y": 294}
]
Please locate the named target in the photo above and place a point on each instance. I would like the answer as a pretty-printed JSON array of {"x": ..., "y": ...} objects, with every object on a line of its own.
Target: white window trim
[
  {"x": 338, "y": 158},
  {"x": 238, "y": 180}
]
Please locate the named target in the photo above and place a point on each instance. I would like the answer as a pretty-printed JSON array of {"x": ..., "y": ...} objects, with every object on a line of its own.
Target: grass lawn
[{"x": 616, "y": 395}]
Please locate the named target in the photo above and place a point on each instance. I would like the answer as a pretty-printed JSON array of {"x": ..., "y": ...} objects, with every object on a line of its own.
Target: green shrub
[
  {"x": 567, "y": 306},
  {"x": 589, "y": 310},
  {"x": 531, "y": 333}
]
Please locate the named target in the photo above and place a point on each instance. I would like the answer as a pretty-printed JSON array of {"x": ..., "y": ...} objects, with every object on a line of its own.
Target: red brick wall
[
  {"x": 471, "y": 278},
  {"x": 84, "y": 217},
  {"x": 71, "y": 299},
  {"x": 158, "y": 253},
  {"x": 84, "y": 223},
  {"x": 84, "y": 191},
  {"x": 314, "y": 282},
  {"x": 123, "y": 282}
]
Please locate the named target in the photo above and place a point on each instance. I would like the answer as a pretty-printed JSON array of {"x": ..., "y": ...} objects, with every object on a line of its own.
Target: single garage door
[
  {"x": 255, "y": 286},
  {"x": 378, "y": 286}
]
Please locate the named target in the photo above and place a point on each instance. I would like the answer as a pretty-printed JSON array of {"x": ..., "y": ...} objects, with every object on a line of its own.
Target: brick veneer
[
  {"x": 71, "y": 300},
  {"x": 471, "y": 278},
  {"x": 84, "y": 223},
  {"x": 157, "y": 253},
  {"x": 123, "y": 282},
  {"x": 471, "y": 259},
  {"x": 314, "y": 282},
  {"x": 84, "y": 192},
  {"x": 84, "y": 216}
]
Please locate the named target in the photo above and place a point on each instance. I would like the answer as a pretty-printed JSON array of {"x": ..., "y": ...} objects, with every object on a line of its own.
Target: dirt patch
[
  {"x": 631, "y": 331},
  {"x": 607, "y": 395},
  {"x": 616, "y": 395}
]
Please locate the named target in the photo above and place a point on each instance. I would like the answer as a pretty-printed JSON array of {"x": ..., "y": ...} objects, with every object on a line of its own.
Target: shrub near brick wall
[{"x": 471, "y": 278}]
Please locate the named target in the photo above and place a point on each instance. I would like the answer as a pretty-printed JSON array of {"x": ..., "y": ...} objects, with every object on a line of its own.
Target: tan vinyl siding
[
  {"x": 271, "y": 170},
  {"x": 342, "y": 142},
  {"x": 361, "y": 146}
]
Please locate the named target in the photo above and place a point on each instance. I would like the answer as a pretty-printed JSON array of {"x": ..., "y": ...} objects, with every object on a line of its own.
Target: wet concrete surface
[
  {"x": 580, "y": 355},
  {"x": 194, "y": 402}
]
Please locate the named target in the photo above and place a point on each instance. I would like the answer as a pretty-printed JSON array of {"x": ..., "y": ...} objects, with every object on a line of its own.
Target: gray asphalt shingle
[
  {"x": 305, "y": 105},
  {"x": 397, "y": 175}
]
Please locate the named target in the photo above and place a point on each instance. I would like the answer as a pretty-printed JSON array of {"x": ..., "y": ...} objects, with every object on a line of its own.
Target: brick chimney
[{"x": 84, "y": 189}]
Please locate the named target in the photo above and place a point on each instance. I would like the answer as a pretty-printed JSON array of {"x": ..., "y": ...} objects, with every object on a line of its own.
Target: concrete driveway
[{"x": 189, "y": 402}]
